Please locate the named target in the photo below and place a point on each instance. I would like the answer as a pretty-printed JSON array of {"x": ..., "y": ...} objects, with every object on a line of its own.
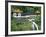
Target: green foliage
[
  {"x": 26, "y": 8},
  {"x": 38, "y": 21},
  {"x": 24, "y": 24},
  {"x": 20, "y": 26}
]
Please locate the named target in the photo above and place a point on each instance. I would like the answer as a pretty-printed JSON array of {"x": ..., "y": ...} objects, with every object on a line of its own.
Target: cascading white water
[
  {"x": 19, "y": 14},
  {"x": 14, "y": 14},
  {"x": 33, "y": 24},
  {"x": 33, "y": 27}
]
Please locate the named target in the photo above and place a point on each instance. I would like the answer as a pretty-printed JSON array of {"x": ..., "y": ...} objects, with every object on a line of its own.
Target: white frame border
[{"x": 23, "y": 32}]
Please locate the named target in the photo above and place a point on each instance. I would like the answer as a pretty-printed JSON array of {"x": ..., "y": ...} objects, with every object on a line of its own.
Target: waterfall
[
  {"x": 33, "y": 27},
  {"x": 14, "y": 14},
  {"x": 19, "y": 14},
  {"x": 33, "y": 24}
]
